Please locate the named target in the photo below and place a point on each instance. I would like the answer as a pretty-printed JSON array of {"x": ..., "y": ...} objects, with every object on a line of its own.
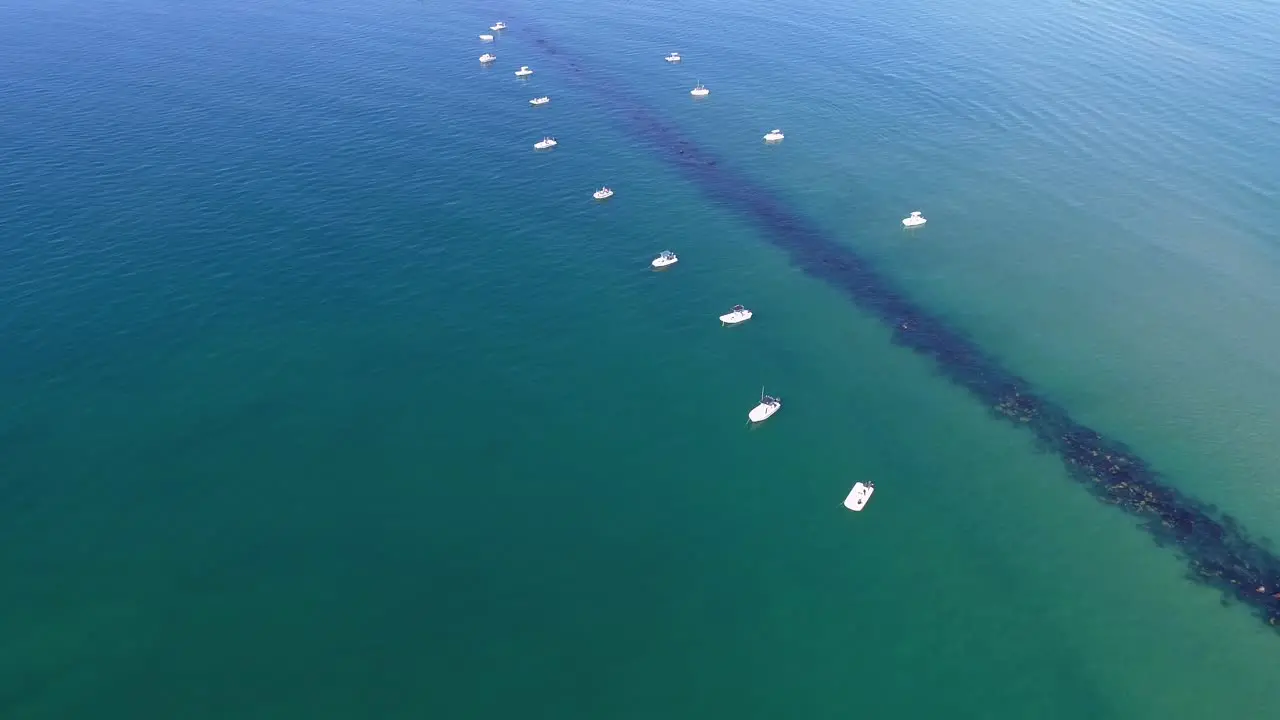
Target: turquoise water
[{"x": 326, "y": 396}]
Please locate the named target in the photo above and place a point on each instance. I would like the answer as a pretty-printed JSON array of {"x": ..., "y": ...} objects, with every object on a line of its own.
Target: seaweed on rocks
[{"x": 1218, "y": 552}]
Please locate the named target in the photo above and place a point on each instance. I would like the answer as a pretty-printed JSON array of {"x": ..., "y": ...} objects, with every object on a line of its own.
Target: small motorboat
[
  {"x": 737, "y": 315},
  {"x": 700, "y": 91},
  {"x": 774, "y": 135},
  {"x": 486, "y": 38},
  {"x": 524, "y": 71},
  {"x": 914, "y": 221},
  {"x": 487, "y": 58},
  {"x": 498, "y": 26},
  {"x": 859, "y": 496},
  {"x": 603, "y": 193},
  {"x": 765, "y": 410},
  {"x": 540, "y": 101},
  {"x": 665, "y": 259},
  {"x": 545, "y": 143},
  {"x": 673, "y": 57}
]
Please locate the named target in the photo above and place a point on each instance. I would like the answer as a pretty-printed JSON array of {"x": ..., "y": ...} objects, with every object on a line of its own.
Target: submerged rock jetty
[{"x": 1217, "y": 550}]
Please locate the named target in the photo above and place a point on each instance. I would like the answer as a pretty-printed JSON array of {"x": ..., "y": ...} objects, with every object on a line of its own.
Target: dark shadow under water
[{"x": 1218, "y": 551}]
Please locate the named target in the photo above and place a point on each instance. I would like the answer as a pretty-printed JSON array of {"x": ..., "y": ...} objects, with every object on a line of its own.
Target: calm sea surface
[{"x": 325, "y": 396}]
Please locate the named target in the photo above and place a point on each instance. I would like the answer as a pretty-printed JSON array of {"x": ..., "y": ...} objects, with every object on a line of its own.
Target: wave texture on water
[{"x": 1217, "y": 550}]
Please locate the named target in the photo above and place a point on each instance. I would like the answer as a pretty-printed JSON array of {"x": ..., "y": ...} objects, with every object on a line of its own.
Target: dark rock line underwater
[{"x": 1217, "y": 550}]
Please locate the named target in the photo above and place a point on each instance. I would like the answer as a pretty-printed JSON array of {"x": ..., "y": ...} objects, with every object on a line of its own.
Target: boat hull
[
  {"x": 763, "y": 412},
  {"x": 859, "y": 496},
  {"x": 735, "y": 318}
]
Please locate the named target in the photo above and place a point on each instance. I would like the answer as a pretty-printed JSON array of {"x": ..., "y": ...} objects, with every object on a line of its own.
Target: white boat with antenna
[
  {"x": 773, "y": 136},
  {"x": 545, "y": 143},
  {"x": 486, "y": 38},
  {"x": 765, "y": 410},
  {"x": 673, "y": 57},
  {"x": 603, "y": 193},
  {"x": 700, "y": 90},
  {"x": 737, "y": 315},
  {"x": 524, "y": 71},
  {"x": 665, "y": 258},
  {"x": 859, "y": 495},
  {"x": 540, "y": 100},
  {"x": 498, "y": 26},
  {"x": 915, "y": 220},
  {"x": 487, "y": 58}
]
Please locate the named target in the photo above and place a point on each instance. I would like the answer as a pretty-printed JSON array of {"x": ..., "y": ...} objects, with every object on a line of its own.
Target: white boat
[
  {"x": 859, "y": 496},
  {"x": 524, "y": 71},
  {"x": 498, "y": 26},
  {"x": 487, "y": 58},
  {"x": 737, "y": 315},
  {"x": 765, "y": 410},
  {"x": 914, "y": 221},
  {"x": 540, "y": 101},
  {"x": 700, "y": 91},
  {"x": 486, "y": 38},
  {"x": 674, "y": 57},
  {"x": 545, "y": 143},
  {"x": 774, "y": 135},
  {"x": 665, "y": 258},
  {"x": 603, "y": 193}
]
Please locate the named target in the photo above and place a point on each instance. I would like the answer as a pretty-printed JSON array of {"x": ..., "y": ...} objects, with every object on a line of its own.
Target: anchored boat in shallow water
[
  {"x": 859, "y": 495},
  {"x": 765, "y": 410},
  {"x": 738, "y": 314},
  {"x": 665, "y": 259}
]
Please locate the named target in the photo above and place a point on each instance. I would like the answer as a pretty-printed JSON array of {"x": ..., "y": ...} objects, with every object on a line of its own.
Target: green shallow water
[{"x": 327, "y": 397}]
